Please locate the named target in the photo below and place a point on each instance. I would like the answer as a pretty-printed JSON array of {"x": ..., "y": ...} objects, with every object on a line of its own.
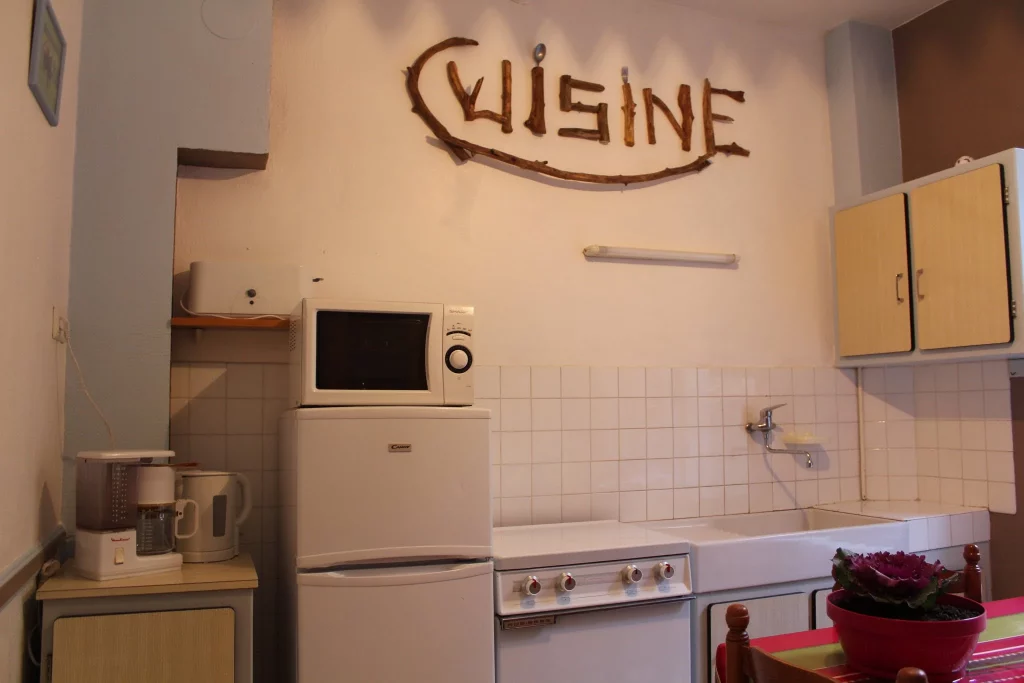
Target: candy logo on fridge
[{"x": 399, "y": 448}]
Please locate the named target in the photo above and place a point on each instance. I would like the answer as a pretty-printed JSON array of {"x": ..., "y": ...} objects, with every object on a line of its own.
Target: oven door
[
  {"x": 637, "y": 643},
  {"x": 376, "y": 353}
]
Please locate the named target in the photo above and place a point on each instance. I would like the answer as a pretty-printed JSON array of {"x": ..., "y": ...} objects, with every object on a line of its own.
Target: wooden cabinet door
[
  {"x": 771, "y": 616},
  {"x": 958, "y": 231},
  {"x": 873, "y": 278},
  {"x": 155, "y": 647}
]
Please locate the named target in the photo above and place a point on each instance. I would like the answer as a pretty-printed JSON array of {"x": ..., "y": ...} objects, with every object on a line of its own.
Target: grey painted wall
[
  {"x": 863, "y": 110},
  {"x": 155, "y": 76}
]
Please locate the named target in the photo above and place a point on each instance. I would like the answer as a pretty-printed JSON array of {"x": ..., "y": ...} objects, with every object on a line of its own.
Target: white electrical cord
[
  {"x": 181, "y": 302},
  {"x": 85, "y": 388}
]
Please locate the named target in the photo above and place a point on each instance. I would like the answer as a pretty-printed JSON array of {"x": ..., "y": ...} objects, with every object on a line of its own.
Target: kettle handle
[
  {"x": 243, "y": 514},
  {"x": 179, "y": 509}
]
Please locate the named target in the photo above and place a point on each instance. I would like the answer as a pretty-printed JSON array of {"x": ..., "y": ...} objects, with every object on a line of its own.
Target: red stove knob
[
  {"x": 531, "y": 586},
  {"x": 566, "y": 582},
  {"x": 632, "y": 575},
  {"x": 664, "y": 571}
]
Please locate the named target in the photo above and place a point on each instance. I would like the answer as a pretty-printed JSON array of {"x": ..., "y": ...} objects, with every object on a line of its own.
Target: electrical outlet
[{"x": 59, "y": 327}]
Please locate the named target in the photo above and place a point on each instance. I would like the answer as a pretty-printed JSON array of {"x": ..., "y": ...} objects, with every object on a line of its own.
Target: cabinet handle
[
  {"x": 899, "y": 299},
  {"x": 920, "y": 294}
]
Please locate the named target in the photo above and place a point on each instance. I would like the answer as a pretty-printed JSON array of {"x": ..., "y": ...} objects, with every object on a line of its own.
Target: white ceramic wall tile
[
  {"x": 632, "y": 444},
  {"x": 633, "y": 506},
  {"x": 659, "y": 412},
  {"x": 207, "y": 380},
  {"x": 244, "y": 380},
  {"x": 604, "y": 477},
  {"x": 684, "y": 381},
  {"x": 604, "y": 444},
  {"x": 659, "y": 382},
  {"x": 575, "y": 382},
  {"x": 575, "y": 413},
  {"x": 546, "y": 447},
  {"x": 545, "y": 382},
  {"x": 604, "y": 382},
  {"x": 632, "y": 413},
  {"x": 545, "y": 414},
  {"x": 760, "y": 497},
  {"x": 575, "y": 477},
  {"x": 576, "y": 508},
  {"x": 576, "y": 446},
  {"x": 487, "y": 382},
  {"x": 709, "y": 382},
  {"x": 632, "y": 382},
  {"x": 547, "y": 509},
  {"x": 734, "y": 382},
  {"x": 659, "y": 443},
  {"x": 1002, "y": 498},
  {"x": 515, "y": 414},
  {"x": 515, "y": 381},
  {"x": 684, "y": 412},
  {"x": 604, "y": 506},
  {"x": 686, "y": 442},
  {"x": 516, "y": 448},
  {"x": 712, "y": 501},
  {"x": 660, "y": 504},
  {"x": 758, "y": 382},
  {"x": 996, "y": 375},
  {"x": 604, "y": 413}
]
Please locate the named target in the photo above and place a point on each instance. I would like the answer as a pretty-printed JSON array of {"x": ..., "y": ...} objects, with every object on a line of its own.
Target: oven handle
[{"x": 536, "y": 619}]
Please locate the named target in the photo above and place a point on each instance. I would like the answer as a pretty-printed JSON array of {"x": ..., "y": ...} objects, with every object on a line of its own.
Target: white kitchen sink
[{"x": 739, "y": 551}]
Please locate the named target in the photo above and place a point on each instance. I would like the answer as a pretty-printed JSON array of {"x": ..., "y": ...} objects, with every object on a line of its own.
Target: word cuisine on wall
[{"x": 683, "y": 127}]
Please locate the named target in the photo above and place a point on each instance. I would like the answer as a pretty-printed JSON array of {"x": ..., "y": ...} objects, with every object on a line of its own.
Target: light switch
[{"x": 118, "y": 555}]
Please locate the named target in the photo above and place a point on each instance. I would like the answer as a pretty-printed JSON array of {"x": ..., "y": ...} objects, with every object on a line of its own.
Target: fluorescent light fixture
[{"x": 600, "y": 251}]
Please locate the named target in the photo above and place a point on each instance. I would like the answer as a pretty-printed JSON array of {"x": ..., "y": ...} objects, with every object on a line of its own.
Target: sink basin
[
  {"x": 741, "y": 551},
  {"x": 788, "y": 522}
]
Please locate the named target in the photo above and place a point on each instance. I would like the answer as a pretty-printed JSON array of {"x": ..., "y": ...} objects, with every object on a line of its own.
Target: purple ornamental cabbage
[{"x": 895, "y": 578}]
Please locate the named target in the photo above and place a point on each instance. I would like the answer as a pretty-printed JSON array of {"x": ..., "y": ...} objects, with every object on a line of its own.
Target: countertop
[
  {"x": 548, "y": 545},
  {"x": 235, "y": 574},
  {"x": 902, "y": 510}
]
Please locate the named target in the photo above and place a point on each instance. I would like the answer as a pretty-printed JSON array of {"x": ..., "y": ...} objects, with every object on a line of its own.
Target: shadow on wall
[{"x": 583, "y": 27}]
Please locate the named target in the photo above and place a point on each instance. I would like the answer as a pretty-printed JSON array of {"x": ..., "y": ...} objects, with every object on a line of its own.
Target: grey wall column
[
  {"x": 156, "y": 76},
  {"x": 863, "y": 110}
]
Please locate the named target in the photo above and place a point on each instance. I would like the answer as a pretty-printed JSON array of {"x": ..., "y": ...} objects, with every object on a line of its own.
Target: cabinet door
[
  {"x": 958, "y": 231},
  {"x": 155, "y": 647},
  {"x": 819, "y": 599},
  {"x": 872, "y": 278},
  {"x": 772, "y": 616}
]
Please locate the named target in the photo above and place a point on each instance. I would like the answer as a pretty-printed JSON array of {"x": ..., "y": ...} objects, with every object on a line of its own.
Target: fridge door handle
[{"x": 395, "y": 576}]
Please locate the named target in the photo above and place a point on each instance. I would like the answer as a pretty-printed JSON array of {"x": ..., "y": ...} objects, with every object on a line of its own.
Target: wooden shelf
[{"x": 205, "y": 323}]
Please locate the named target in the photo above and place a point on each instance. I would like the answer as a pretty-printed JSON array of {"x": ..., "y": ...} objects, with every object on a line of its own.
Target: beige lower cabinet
[
  {"x": 192, "y": 625},
  {"x": 155, "y": 647}
]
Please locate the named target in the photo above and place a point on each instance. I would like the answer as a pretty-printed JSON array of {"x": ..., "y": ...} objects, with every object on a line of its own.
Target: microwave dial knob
[
  {"x": 664, "y": 571},
  {"x": 531, "y": 586},
  {"x": 566, "y": 582},
  {"x": 458, "y": 359},
  {"x": 632, "y": 575}
]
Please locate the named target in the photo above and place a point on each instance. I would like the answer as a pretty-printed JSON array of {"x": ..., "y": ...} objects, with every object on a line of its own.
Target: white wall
[
  {"x": 35, "y": 220},
  {"x": 355, "y": 189}
]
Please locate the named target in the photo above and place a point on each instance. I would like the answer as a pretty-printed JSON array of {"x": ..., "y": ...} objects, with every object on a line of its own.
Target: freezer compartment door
[
  {"x": 428, "y": 624},
  {"x": 379, "y": 490}
]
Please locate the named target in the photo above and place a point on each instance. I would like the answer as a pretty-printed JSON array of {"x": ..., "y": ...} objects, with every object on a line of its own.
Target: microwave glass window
[{"x": 360, "y": 351}]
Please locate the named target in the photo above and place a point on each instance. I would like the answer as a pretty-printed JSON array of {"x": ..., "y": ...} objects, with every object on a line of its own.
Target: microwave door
[{"x": 376, "y": 357}]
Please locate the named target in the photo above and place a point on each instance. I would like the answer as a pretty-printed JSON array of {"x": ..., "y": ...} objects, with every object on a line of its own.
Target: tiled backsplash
[
  {"x": 224, "y": 416},
  {"x": 940, "y": 433},
  {"x": 580, "y": 443}
]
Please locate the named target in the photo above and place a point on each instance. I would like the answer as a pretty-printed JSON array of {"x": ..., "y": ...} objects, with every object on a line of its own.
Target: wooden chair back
[
  {"x": 968, "y": 580},
  {"x": 745, "y": 664}
]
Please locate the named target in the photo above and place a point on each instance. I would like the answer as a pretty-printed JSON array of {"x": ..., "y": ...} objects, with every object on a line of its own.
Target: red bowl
[{"x": 881, "y": 647}]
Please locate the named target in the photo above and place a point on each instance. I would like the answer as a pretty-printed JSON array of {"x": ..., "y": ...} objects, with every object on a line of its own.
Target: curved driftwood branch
[{"x": 464, "y": 150}]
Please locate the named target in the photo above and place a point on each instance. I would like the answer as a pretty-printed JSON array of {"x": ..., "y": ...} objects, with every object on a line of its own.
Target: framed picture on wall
[{"x": 46, "y": 61}]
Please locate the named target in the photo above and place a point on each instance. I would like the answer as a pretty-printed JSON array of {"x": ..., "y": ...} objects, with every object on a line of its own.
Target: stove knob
[
  {"x": 664, "y": 571},
  {"x": 566, "y": 582},
  {"x": 632, "y": 575},
  {"x": 531, "y": 586}
]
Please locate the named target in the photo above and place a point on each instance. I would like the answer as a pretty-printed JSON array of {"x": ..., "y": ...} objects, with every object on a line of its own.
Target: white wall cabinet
[{"x": 930, "y": 270}]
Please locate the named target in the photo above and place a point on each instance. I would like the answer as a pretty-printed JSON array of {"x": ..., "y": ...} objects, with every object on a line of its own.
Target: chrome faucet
[{"x": 765, "y": 427}]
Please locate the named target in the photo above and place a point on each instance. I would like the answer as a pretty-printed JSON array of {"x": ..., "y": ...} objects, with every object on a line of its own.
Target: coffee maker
[{"x": 108, "y": 515}]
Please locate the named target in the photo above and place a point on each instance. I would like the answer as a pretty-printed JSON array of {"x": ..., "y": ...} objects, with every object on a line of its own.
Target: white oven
[
  {"x": 595, "y": 602},
  {"x": 350, "y": 353}
]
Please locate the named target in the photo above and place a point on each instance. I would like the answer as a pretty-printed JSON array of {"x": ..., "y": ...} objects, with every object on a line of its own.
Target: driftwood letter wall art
[{"x": 567, "y": 89}]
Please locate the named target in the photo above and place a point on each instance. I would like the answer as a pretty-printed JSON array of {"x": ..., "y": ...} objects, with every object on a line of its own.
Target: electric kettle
[{"x": 223, "y": 503}]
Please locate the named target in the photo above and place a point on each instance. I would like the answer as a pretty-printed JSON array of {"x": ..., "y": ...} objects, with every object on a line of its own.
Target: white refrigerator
[{"x": 386, "y": 531}]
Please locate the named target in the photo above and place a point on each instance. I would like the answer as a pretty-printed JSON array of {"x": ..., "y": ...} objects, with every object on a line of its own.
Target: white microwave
[{"x": 348, "y": 353}]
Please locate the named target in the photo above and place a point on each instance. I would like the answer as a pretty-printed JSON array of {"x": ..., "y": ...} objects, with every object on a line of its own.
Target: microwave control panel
[{"x": 458, "y": 355}]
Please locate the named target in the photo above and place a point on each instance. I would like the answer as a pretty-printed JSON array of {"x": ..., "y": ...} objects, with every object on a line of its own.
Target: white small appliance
[
  {"x": 346, "y": 353},
  {"x": 160, "y": 515},
  {"x": 591, "y": 601},
  {"x": 107, "y": 500},
  {"x": 243, "y": 289},
  {"x": 386, "y": 539},
  {"x": 223, "y": 502}
]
